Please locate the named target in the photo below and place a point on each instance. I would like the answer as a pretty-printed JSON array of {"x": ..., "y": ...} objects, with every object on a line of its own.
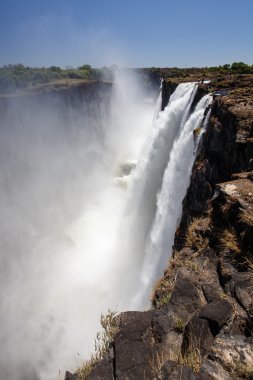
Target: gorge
[{"x": 93, "y": 178}]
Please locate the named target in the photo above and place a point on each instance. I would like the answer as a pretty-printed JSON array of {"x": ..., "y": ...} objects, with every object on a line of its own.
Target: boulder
[
  {"x": 197, "y": 336},
  {"x": 138, "y": 347},
  {"x": 186, "y": 298},
  {"x": 241, "y": 289},
  {"x": 174, "y": 371},
  {"x": 218, "y": 314}
]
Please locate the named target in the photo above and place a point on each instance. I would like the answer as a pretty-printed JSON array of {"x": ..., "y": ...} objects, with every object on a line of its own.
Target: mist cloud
[{"x": 61, "y": 208}]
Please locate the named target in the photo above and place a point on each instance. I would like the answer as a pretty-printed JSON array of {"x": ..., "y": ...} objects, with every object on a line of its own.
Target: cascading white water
[
  {"x": 146, "y": 183},
  {"x": 81, "y": 232},
  {"x": 169, "y": 200},
  {"x": 150, "y": 224}
]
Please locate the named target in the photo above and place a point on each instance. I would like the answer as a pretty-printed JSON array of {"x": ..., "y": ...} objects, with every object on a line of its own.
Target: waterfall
[
  {"x": 171, "y": 185},
  {"x": 146, "y": 181}
]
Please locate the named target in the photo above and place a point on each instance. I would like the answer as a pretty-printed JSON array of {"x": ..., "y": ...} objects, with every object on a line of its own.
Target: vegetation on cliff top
[
  {"x": 15, "y": 77},
  {"x": 234, "y": 68}
]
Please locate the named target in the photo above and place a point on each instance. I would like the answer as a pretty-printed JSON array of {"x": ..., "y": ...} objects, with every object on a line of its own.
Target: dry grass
[
  {"x": 102, "y": 344},
  {"x": 159, "y": 358},
  {"x": 193, "y": 238},
  {"x": 244, "y": 371},
  {"x": 162, "y": 292},
  {"x": 223, "y": 296},
  {"x": 246, "y": 218},
  {"x": 186, "y": 259},
  {"x": 225, "y": 209},
  {"x": 165, "y": 285},
  {"x": 179, "y": 325},
  {"x": 192, "y": 264},
  {"x": 85, "y": 370},
  {"x": 191, "y": 356},
  {"x": 157, "y": 362},
  {"x": 191, "y": 352},
  {"x": 191, "y": 359},
  {"x": 248, "y": 262},
  {"x": 228, "y": 241}
]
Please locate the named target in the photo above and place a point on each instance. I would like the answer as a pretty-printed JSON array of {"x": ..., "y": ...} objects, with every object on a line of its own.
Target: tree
[
  {"x": 55, "y": 69},
  {"x": 85, "y": 67},
  {"x": 240, "y": 67}
]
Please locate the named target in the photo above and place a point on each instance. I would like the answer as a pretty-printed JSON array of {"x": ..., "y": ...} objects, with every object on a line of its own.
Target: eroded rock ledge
[{"x": 202, "y": 323}]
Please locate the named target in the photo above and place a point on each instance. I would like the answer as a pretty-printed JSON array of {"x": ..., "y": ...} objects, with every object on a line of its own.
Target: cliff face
[
  {"x": 202, "y": 322},
  {"x": 226, "y": 149},
  {"x": 88, "y": 94}
]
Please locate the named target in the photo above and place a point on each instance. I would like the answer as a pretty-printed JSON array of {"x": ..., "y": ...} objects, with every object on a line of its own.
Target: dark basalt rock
[
  {"x": 174, "y": 371},
  {"x": 167, "y": 89},
  {"x": 185, "y": 299},
  {"x": 224, "y": 150},
  {"x": 103, "y": 370},
  {"x": 242, "y": 290},
  {"x": 212, "y": 291},
  {"x": 142, "y": 341},
  {"x": 217, "y": 314},
  {"x": 197, "y": 336}
]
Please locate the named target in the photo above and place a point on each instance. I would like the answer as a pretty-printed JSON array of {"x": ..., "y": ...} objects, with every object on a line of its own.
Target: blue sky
[{"x": 133, "y": 33}]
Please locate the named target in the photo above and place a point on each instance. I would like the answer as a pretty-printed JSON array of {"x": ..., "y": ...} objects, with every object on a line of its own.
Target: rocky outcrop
[
  {"x": 226, "y": 149},
  {"x": 201, "y": 327},
  {"x": 168, "y": 88}
]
